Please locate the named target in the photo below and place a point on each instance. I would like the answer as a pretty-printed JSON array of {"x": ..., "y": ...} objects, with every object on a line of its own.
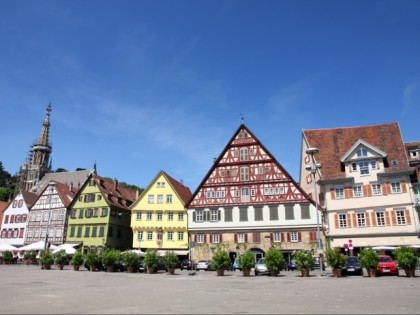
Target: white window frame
[
  {"x": 168, "y": 198},
  {"x": 241, "y": 237},
  {"x": 361, "y": 219},
  {"x": 376, "y": 189},
  {"x": 213, "y": 215},
  {"x": 139, "y": 236},
  {"x": 138, "y": 216},
  {"x": 294, "y": 237},
  {"x": 159, "y": 216},
  {"x": 159, "y": 198},
  {"x": 149, "y": 216},
  {"x": 151, "y": 199},
  {"x": 244, "y": 173},
  {"x": 380, "y": 218},
  {"x": 339, "y": 193},
  {"x": 180, "y": 216},
  {"x": 342, "y": 220},
  {"x": 170, "y": 235},
  {"x": 243, "y": 154},
  {"x": 357, "y": 191},
  {"x": 170, "y": 216},
  {"x": 276, "y": 237},
  {"x": 199, "y": 216},
  {"x": 400, "y": 217},
  {"x": 150, "y": 235},
  {"x": 396, "y": 187},
  {"x": 200, "y": 238},
  {"x": 180, "y": 236},
  {"x": 216, "y": 238}
]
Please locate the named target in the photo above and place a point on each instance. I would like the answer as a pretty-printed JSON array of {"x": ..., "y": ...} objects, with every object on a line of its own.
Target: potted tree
[
  {"x": 91, "y": 260},
  {"x": 406, "y": 259},
  {"x": 110, "y": 258},
  {"x": 304, "y": 261},
  {"x": 246, "y": 262},
  {"x": 131, "y": 261},
  {"x": 7, "y": 257},
  {"x": 60, "y": 259},
  {"x": 336, "y": 260},
  {"x": 369, "y": 260},
  {"x": 220, "y": 261},
  {"x": 171, "y": 261},
  {"x": 151, "y": 260},
  {"x": 274, "y": 261},
  {"x": 77, "y": 260},
  {"x": 46, "y": 260},
  {"x": 29, "y": 257}
]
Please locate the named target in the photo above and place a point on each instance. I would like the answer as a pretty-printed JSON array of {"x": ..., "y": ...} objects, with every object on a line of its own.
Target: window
[
  {"x": 376, "y": 189},
  {"x": 170, "y": 235},
  {"x": 241, "y": 238},
  {"x": 276, "y": 237},
  {"x": 243, "y": 154},
  {"x": 228, "y": 214},
  {"x": 361, "y": 219},
  {"x": 89, "y": 213},
  {"x": 396, "y": 187},
  {"x": 294, "y": 237},
  {"x": 87, "y": 231},
  {"x": 159, "y": 216},
  {"x": 258, "y": 213},
  {"x": 289, "y": 212},
  {"x": 380, "y": 218},
  {"x": 168, "y": 198},
  {"x": 243, "y": 213},
  {"x": 213, "y": 215},
  {"x": 90, "y": 198},
  {"x": 400, "y": 216},
  {"x": 180, "y": 216},
  {"x": 139, "y": 236},
  {"x": 362, "y": 152},
  {"x": 159, "y": 235},
  {"x": 79, "y": 231},
  {"x": 199, "y": 216},
  {"x": 342, "y": 220},
  {"x": 170, "y": 216},
  {"x": 150, "y": 235},
  {"x": 364, "y": 168},
  {"x": 216, "y": 238},
  {"x": 149, "y": 215},
  {"x": 104, "y": 212},
  {"x": 138, "y": 216},
  {"x": 151, "y": 198},
  {"x": 110, "y": 231},
  {"x": 339, "y": 193},
  {"x": 357, "y": 191},
  {"x": 245, "y": 194},
  {"x": 180, "y": 236},
  {"x": 244, "y": 173},
  {"x": 274, "y": 213},
  {"x": 200, "y": 238},
  {"x": 159, "y": 198},
  {"x": 305, "y": 212},
  {"x": 94, "y": 231},
  {"x": 45, "y": 216},
  {"x": 101, "y": 231}
]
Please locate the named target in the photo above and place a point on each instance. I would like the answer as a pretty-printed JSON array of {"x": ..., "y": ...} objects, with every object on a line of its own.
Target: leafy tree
[
  {"x": 61, "y": 170},
  {"x": 80, "y": 169},
  {"x": 5, "y": 194},
  {"x": 5, "y": 177}
]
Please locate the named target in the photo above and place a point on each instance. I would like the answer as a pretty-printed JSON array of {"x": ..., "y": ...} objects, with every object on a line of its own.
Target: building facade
[
  {"x": 364, "y": 185},
  {"x": 159, "y": 218},
  {"x": 99, "y": 215},
  {"x": 248, "y": 200},
  {"x": 49, "y": 214}
]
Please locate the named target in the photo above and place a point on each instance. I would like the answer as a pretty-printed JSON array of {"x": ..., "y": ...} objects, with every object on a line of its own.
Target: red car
[{"x": 387, "y": 265}]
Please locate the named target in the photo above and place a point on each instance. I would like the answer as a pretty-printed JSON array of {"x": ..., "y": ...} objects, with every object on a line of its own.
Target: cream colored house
[
  {"x": 364, "y": 185},
  {"x": 158, "y": 216}
]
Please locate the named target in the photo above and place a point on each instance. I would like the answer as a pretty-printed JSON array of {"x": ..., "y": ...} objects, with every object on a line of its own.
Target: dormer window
[
  {"x": 362, "y": 152},
  {"x": 364, "y": 167}
]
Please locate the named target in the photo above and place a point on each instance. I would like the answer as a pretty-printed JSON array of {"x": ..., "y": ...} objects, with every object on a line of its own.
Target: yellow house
[{"x": 158, "y": 216}]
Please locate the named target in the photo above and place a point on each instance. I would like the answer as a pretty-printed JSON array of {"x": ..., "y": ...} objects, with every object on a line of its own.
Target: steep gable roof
[
  {"x": 270, "y": 158},
  {"x": 117, "y": 195},
  {"x": 183, "y": 192},
  {"x": 334, "y": 143},
  {"x": 29, "y": 198}
]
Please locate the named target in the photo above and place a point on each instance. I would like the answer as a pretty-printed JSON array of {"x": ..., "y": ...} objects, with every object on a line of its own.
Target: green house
[{"x": 99, "y": 215}]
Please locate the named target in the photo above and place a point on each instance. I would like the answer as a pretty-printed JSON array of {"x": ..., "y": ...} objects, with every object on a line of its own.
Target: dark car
[
  {"x": 186, "y": 264},
  {"x": 353, "y": 266},
  {"x": 317, "y": 263},
  {"x": 161, "y": 265}
]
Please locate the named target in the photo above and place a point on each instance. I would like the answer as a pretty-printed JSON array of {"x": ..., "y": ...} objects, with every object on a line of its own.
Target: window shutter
[
  {"x": 407, "y": 216},
  {"x": 403, "y": 186},
  {"x": 347, "y": 192},
  {"x": 21, "y": 232},
  {"x": 365, "y": 190},
  {"x": 220, "y": 237},
  {"x": 299, "y": 237},
  {"x": 332, "y": 192},
  {"x": 373, "y": 218},
  {"x": 393, "y": 218},
  {"x": 288, "y": 236},
  {"x": 219, "y": 215},
  {"x": 367, "y": 219},
  {"x": 350, "y": 168},
  {"x": 235, "y": 238},
  {"x": 194, "y": 220},
  {"x": 387, "y": 220},
  {"x": 369, "y": 190},
  {"x": 206, "y": 215},
  {"x": 246, "y": 237},
  {"x": 336, "y": 220},
  {"x": 195, "y": 238},
  {"x": 354, "y": 219},
  {"x": 386, "y": 189},
  {"x": 348, "y": 218},
  {"x": 205, "y": 238},
  {"x": 211, "y": 238},
  {"x": 271, "y": 236}
]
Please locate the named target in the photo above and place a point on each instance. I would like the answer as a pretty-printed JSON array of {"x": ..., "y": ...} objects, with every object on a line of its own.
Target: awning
[{"x": 177, "y": 252}]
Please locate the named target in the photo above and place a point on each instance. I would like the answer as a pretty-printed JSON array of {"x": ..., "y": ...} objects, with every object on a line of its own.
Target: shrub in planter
[
  {"x": 46, "y": 260},
  {"x": 7, "y": 257},
  {"x": 60, "y": 259},
  {"x": 336, "y": 260},
  {"x": 274, "y": 261},
  {"x": 131, "y": 261},
  {"x": 92, "y": 260},
  {"x": 304, "y": 261},
  {"x": 110, "y": 258},
  {"x": 77, "y": 260},
  {"x": 406, "y": 259},
  {"x": 369, "y": 260},
  {"x": 171, "y": 261},
  {"x": 29, "y": 257},
  {"x": 151, "y": 260},
  {"x": 246, "y": 262},
  {"x": 220, "y": 261}
]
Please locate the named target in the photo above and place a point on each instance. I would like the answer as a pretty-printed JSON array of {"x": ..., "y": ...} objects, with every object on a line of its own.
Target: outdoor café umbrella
[{"x": 5, "y": 247}]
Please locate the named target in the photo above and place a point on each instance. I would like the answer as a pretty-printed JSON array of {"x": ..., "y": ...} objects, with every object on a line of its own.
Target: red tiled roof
[
  {"x": 117, "y": 195},
  {"x": 3, "y": 206},
  {"x": 29, "y": 198},
  {"x": 183, "y": 192},
  {"x": 334, "y": 143},
  {"x": 65, "y": 193}
]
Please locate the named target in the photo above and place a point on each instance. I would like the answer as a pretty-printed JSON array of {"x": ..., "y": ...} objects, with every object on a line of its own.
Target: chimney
[
  {"x": 182, "y": 182},
  {"x": 137, "y": 194},
  {"x": 115, "y": 184},
  {"x": 71, "y": 186}
]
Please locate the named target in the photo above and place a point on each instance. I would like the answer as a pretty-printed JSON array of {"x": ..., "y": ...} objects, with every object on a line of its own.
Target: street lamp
[
  {"x": 313, "y": 167},
  {"x": 51, "y": 187}
]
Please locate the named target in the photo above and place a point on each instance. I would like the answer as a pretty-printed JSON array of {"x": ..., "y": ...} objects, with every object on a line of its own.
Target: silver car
[
  {"x": 203, "y": 265},
  {"x": 260, "y": 267}
]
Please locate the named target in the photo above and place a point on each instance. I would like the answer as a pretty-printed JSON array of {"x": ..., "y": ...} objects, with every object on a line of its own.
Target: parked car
[
  {"x": 352, "y": 266},
  {"x": 161, "y": 265},
  {"x": 203, "y": 265},
  {"x": 387, "y": 265},
  {"x": 260, "y": 267},
  {"x": 186, "y": 264},
  {"x": 236, "y": 266},
  {"x": 317, "y": 263}
]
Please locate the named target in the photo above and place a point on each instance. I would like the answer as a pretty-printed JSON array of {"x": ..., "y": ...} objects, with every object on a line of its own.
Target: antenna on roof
[{"x": 242, "y": 118}]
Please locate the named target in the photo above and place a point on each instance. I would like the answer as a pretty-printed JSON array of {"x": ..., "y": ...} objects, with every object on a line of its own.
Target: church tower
[{"x": 37, "y": 163}]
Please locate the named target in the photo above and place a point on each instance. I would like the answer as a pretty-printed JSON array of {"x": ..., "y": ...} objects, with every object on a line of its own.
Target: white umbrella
[
  {"x": 5, "y": 247},
  {"x": 138, "y": 252},
  {"x": 415, "y": 246},
  {"x": 40, "y": 245},
  {"x": 384, "y": 247},
  {"x": 67, "y": 248}
]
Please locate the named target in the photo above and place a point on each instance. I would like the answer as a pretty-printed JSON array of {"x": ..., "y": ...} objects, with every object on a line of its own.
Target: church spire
[{"x": 44, "y": 137}]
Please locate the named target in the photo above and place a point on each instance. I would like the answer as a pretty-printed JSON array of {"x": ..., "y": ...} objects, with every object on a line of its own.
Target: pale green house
[{"x": 99, "y": 215}]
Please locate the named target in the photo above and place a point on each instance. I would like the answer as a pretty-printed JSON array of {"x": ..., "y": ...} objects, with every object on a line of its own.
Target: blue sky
[{"x": 142, "y": 86}]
